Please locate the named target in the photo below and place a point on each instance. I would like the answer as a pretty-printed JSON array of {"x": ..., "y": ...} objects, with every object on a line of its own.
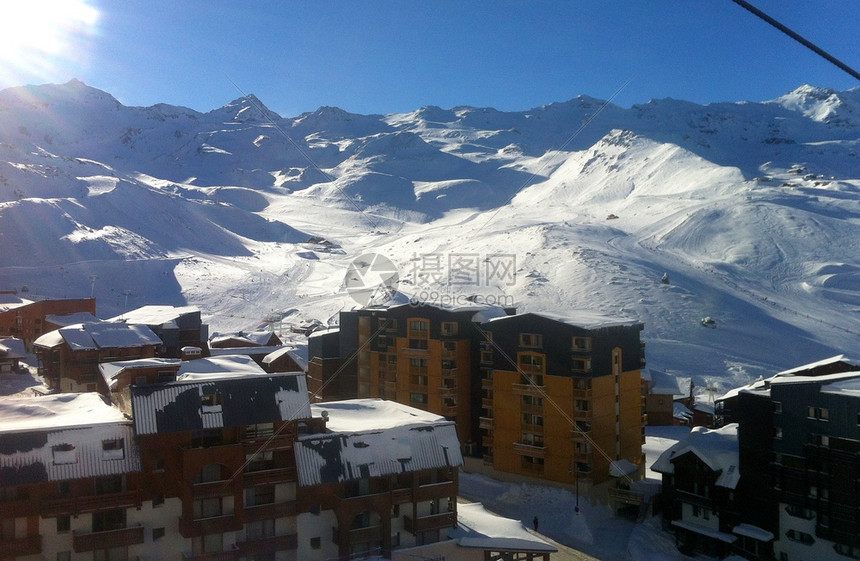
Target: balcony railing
[
  {"x": 11, "y": 548},
  {"x": 529, "y": 450},
  {"x": 435, "y": 490},
  {"x": 213, "y": 489},
  {"x": 529, "y": 389},
  {"x": 268, "y": 476},
  {"x": 258, "y": 546},
  {"x": 432, "y": 522},
  {"x": 270, "y": 511},
  {"x": 90, "y": 503},
  {"x": 214, "y": 556},
  {"x": 192, "y": 528},
  {"x": 485, "y": 423},
  {"x": 107, "y": 539}
]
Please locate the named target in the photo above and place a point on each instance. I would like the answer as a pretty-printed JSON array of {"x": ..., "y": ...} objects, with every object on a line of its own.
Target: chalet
[
  {"x": 700, "y": 478},
  {"x": 69, "y": 357},
  {"x": 12, "y": 351},
  {"x": 26, "y": 319},
  {"x": 288, "y": 358},
  {"x": 177, "y": 327},
  {"x": 70, "y": 480},
  {"x": 381, "y": 476},
  {"x": 659, "y": 389}
]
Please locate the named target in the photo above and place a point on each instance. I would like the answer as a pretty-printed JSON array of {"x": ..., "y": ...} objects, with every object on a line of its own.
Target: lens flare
[{"x": 39, "y": 37}]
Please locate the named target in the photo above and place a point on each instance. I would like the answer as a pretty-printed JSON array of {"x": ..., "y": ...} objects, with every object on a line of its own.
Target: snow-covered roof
[
  {"x": 680, "y": 411},
  {"x": 849, "y": 367},
  {"x": 252, "y": 350},
  {"x": 156, "y": 315},
  {"x": 622, "y": 467},
  {"x": 705, "y": 531},
  {"x": 298, "y": 353},
  {"x": 321, "y": 332},
  {"x": 180, "y": 405},
  {"x": 849, "y": 386},
  {"x": 717, "y": 448},
  {"x": 234, "y": 365},
  {"x": 372, "y": 438},
  {"x": 661, "y": 382},
  {"x": 479, "y": 528},
  {"x": 586, "y": 319},
  {"x": 111, "y": 370},
  {"x": 753, "y": 532},
  {"x": 101, "y": 335},
  {"x": 813, "y": 365},
  {"x": 12, "y": 347},
  {"x": 71, "y": 319},
  {"x": 255, "y": 338},
  {"x": 57, "y": 437}
]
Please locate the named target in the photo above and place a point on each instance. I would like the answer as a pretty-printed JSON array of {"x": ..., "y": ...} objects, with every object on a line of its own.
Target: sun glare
[{"x": 40, "y": 36}]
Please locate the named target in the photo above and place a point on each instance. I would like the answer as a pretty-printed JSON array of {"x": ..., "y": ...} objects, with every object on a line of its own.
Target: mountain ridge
[{"x": 751, "y": 208}]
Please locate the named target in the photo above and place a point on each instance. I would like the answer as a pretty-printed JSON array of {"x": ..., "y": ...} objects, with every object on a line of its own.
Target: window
[
  {"x": 777, "y": 433},
  {"x": 316, "y": 543},
  {"x": 532, "y": 400},
  {"x": 260, "y": 529},
  {"x": 419, "y": 324},
  {"x": 64, "y": 454},
  {"x": 158, "y": 464},
  {"x": 106, "y": 520},
  {"x": 64, "y": 523},
  {"x": 210, "y": 400},
  {"x": 418, "y": 380},
  {"x": 157, "y": 533},
  {"x": 166, "y": 376},
  {"x": 415, "y": 397},
  {"x": 64, "y": 489},
  {"x": 64, "y": 556},
  {"x": 158, "y": 501},
  {"x": 532, "y": 380},
  {"x": 582, "y": 405},
  {"x": 532, "y": 439},
  {"x": 531, "y": 362},
  {"x": 256, "y": 496},
  {"x": 530, "y": 419},
  {"x": 798, "y": 536},
  {"x": 418, "y": 362},
  {"x": 580, "y": 365},
  {"x": 777, "y": 407},
  {"x": 533, "y": 340},
  {"x": 207, "y": 508},
  {"x": 208, "y": 474},
  {"x": 449, "y": 328},
  {"x": 824, "y": 414},
  {"x": 487, "y": 356},
  {"x": 581, "y": 344},
  {"x": 418, "y": 344},
  {"x": 112, "y": 449}
]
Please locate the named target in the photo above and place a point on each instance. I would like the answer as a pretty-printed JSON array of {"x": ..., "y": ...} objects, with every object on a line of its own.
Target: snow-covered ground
[{"x": 594, "y": 530}]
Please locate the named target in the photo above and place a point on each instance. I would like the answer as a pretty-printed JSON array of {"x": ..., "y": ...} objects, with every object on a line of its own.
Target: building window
[
  {"x": 208, "y": 474},
  {"x": 419, "y": 325},
  {"x": 532, "y": 439},
  {"x": 64, "y": 489},
  {"x": 531, "y": 419},
  {"x": 157, "y": 501},
  {"x": 420, "y": 344},
  {"x": 582, "y": 405},
  {"x": 64, "y": 454},
  {"x": 777, "y": 407},
  {"x": 157, "y": 533},
  {"x": 263, "y": 495},
  {"x": 581, "y": 344},
  {"x": 64, "y": 523},
  {"x": 316, "y": 543},
  {"x": 801, "y": 537},
  {"x": 449, "y": 328},
  {"x": 532, "y": 401},
  {"x": 531, "y": 362},
  {"x": 260, "y": 430},
  {"x": 824, "y": 414},
  {"x": 210, "y": 400},
  {"x": 418, "y": 380},
  {"x": 113, "y": 449},
  {"x": 777, "y": 433},
  {"x": 418, "y": 362},
  {"x": 487, "y": 357},
  {"x": 531, "y": 340},
  {"x": 415, "y": 397},
  {"x": 580, "y": 365}
]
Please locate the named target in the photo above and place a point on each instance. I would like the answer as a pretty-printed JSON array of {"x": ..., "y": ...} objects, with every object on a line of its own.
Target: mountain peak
[{"x": 248, "y": 108}]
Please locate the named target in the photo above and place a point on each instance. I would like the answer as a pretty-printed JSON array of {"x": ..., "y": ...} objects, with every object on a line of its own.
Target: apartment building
[
  {"x": 561, "y": 398},
  {"x": 69, "y": 357},
  {"x": 28, "y": 319},
  {"x": 533, "y": 395},
  {"x": 219, "y": 461}
]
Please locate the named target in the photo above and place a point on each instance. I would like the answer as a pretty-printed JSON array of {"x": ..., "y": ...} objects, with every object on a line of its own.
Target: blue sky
[{"x": 394, "y": 56}]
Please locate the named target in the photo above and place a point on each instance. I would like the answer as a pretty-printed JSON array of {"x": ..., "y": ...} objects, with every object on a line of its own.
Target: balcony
[
  {"x": 410, "y": 352},
  {"x": 364, "y": 535},
  {"x": 213, "y": 489},
  {"x": 582, "y": 393},
  {"x": 260, "y": 546},
  {"x": 268, "y": 476},
  {"x": 434, "y": 490},
  {"x": 11, "y": 548},
  {"x": 447, "y": 392},
  {"x": 91, "y": 503},
  {"x": 400, "y": 496},
  {"x": 528, "y": 389},
  {"x": 581, "y": 415},
  {"x": 192, "y": 528},
  {"x": 626, "y": 497},
  {"x": 270, "y": 511},
  {"x": 107, "y": 539},
  {"x": 523, "y": 449},
  {"x": 432, "y": 522},
  {"x": 18, "y": 508},
  {"x": 281, "y": 441},
  {"x": 485, "y": 423},
  {"x": 486, "y": 383},
  {"x": 532, "y": 409},
  {"x": 214, "y": 556}
]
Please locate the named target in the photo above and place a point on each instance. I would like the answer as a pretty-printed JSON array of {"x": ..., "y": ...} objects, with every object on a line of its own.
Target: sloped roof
[
  {"x": 100, "y": 335},
  {"x": 111, "y": 370},
  {"x": 372, "y": 438},
  {"x": 58, "y": 437},
  {"x": 585, "y": 319},
  {"x": 717, "y": 448},
  {"x": 661, "y": 382},
  {"x": 12, "y": 347},
  {"x": 71, "y": 319},
  {"x": 298, "y": 353},
  {"x": 244, "y": 400},
  {"x": 479, "y": 528},
  {"x": 156, "y": 315},
  {"x": 250, "y": 338}
]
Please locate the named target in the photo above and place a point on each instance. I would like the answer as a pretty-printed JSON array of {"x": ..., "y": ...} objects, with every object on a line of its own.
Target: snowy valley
[{"x": 750, "y": 210}]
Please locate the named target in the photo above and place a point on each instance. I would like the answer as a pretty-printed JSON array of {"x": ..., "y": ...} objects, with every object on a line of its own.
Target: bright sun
[{"x": 37, "y": 36}]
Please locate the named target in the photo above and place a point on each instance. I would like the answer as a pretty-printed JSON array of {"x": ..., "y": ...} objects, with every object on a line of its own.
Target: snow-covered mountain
[{"x": 752, "y": 210}]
